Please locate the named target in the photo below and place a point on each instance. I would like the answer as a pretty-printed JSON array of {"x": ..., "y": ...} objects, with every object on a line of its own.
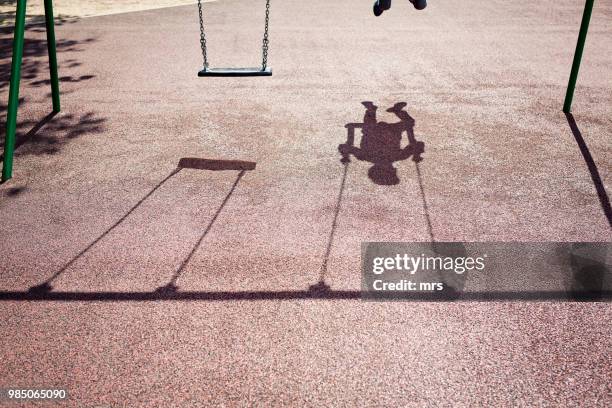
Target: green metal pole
[
  {"x": 584, "y": 28},
  {"x": 11, "y": 115},
  {"x": 52, "y": 55}
]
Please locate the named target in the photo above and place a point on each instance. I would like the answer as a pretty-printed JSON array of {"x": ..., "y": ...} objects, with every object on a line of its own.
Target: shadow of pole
[{"x": 604, "y": 200}]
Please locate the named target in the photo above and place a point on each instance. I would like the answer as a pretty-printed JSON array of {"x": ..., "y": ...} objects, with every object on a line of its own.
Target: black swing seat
[{"x": 235, "y": 72}]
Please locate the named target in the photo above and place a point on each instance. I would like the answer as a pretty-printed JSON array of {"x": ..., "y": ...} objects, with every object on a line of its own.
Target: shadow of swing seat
[
  {"x": 41, "y": 290},
  {"x": 215, "y": 165}
]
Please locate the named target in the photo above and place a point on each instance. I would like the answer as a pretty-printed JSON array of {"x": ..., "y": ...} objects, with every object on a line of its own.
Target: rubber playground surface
[{"x": 98, "y": 214}]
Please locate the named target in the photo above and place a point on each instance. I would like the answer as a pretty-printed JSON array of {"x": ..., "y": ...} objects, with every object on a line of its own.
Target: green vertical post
[
  {"x": 11, "y": 115},
  {"x": 52, "y": 55},
  {"x": 584, "y": 28}
]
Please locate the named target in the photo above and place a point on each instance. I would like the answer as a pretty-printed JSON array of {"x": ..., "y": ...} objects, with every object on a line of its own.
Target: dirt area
[{"x": 71, "y": 9}]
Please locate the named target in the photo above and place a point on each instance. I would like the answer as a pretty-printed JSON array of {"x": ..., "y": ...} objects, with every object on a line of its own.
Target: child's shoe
[
  {"x": 419, "y": 4},
  {"x": 380, "y": 6}
]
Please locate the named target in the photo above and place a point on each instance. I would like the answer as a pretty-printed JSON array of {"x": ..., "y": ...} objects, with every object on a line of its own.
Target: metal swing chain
[
  {"x": 202, "y": 36},
  {"x": 264, "y": 62}
]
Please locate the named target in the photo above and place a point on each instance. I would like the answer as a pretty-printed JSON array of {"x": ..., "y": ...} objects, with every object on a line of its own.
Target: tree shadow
[
  {"x": 381, "y": 143},
  {"x": 15, "y": 191},
  {"x": 35, "y": 64},
  {"x": 49, "y": 134}
]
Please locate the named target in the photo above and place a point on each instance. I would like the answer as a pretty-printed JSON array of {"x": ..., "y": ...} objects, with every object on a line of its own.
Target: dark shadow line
[
  {"x": 332, "y": 233},
  {"x": 604, "y": 200},
  {"x": 32, "y": 132},
  {"x": 45, "y": 284},
  {"x": 171, "y": 285},
  {"x": 425, "y": 206},
  {"x": 295, "y": 295}
]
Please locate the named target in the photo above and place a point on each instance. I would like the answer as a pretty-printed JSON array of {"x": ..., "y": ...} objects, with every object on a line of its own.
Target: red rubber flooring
[{"x": 97, "y": 212}]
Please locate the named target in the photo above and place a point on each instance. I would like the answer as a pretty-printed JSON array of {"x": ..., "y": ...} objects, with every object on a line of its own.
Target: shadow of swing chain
[
  {"x": 46, "y": 285},
  {"x": 171, "y": 286}
]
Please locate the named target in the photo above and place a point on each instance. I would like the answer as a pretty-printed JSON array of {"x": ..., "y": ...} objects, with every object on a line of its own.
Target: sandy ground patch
[{"x": 70, "y": 9}]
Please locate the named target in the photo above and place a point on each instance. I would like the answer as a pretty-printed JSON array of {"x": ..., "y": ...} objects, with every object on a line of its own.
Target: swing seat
[{"x": 235, "y": 72}]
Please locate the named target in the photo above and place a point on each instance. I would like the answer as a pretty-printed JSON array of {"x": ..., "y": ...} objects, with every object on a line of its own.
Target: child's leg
[
  {"x": 385, "y": 4},
  {"x": 380, "y": 6}
]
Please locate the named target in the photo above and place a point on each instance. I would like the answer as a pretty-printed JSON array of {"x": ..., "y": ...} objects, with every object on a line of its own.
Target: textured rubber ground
[{"x": 96, "y": 206}]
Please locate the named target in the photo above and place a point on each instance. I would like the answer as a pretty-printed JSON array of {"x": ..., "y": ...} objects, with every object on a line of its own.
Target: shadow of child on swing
[{"x": 381, "y": 143}]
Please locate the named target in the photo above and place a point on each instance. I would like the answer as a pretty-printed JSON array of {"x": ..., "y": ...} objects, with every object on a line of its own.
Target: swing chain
[
  {"x": 264, "y": 63},
  {"x": 264, "y": 47},
  {"x": 202, "y": 36}
]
